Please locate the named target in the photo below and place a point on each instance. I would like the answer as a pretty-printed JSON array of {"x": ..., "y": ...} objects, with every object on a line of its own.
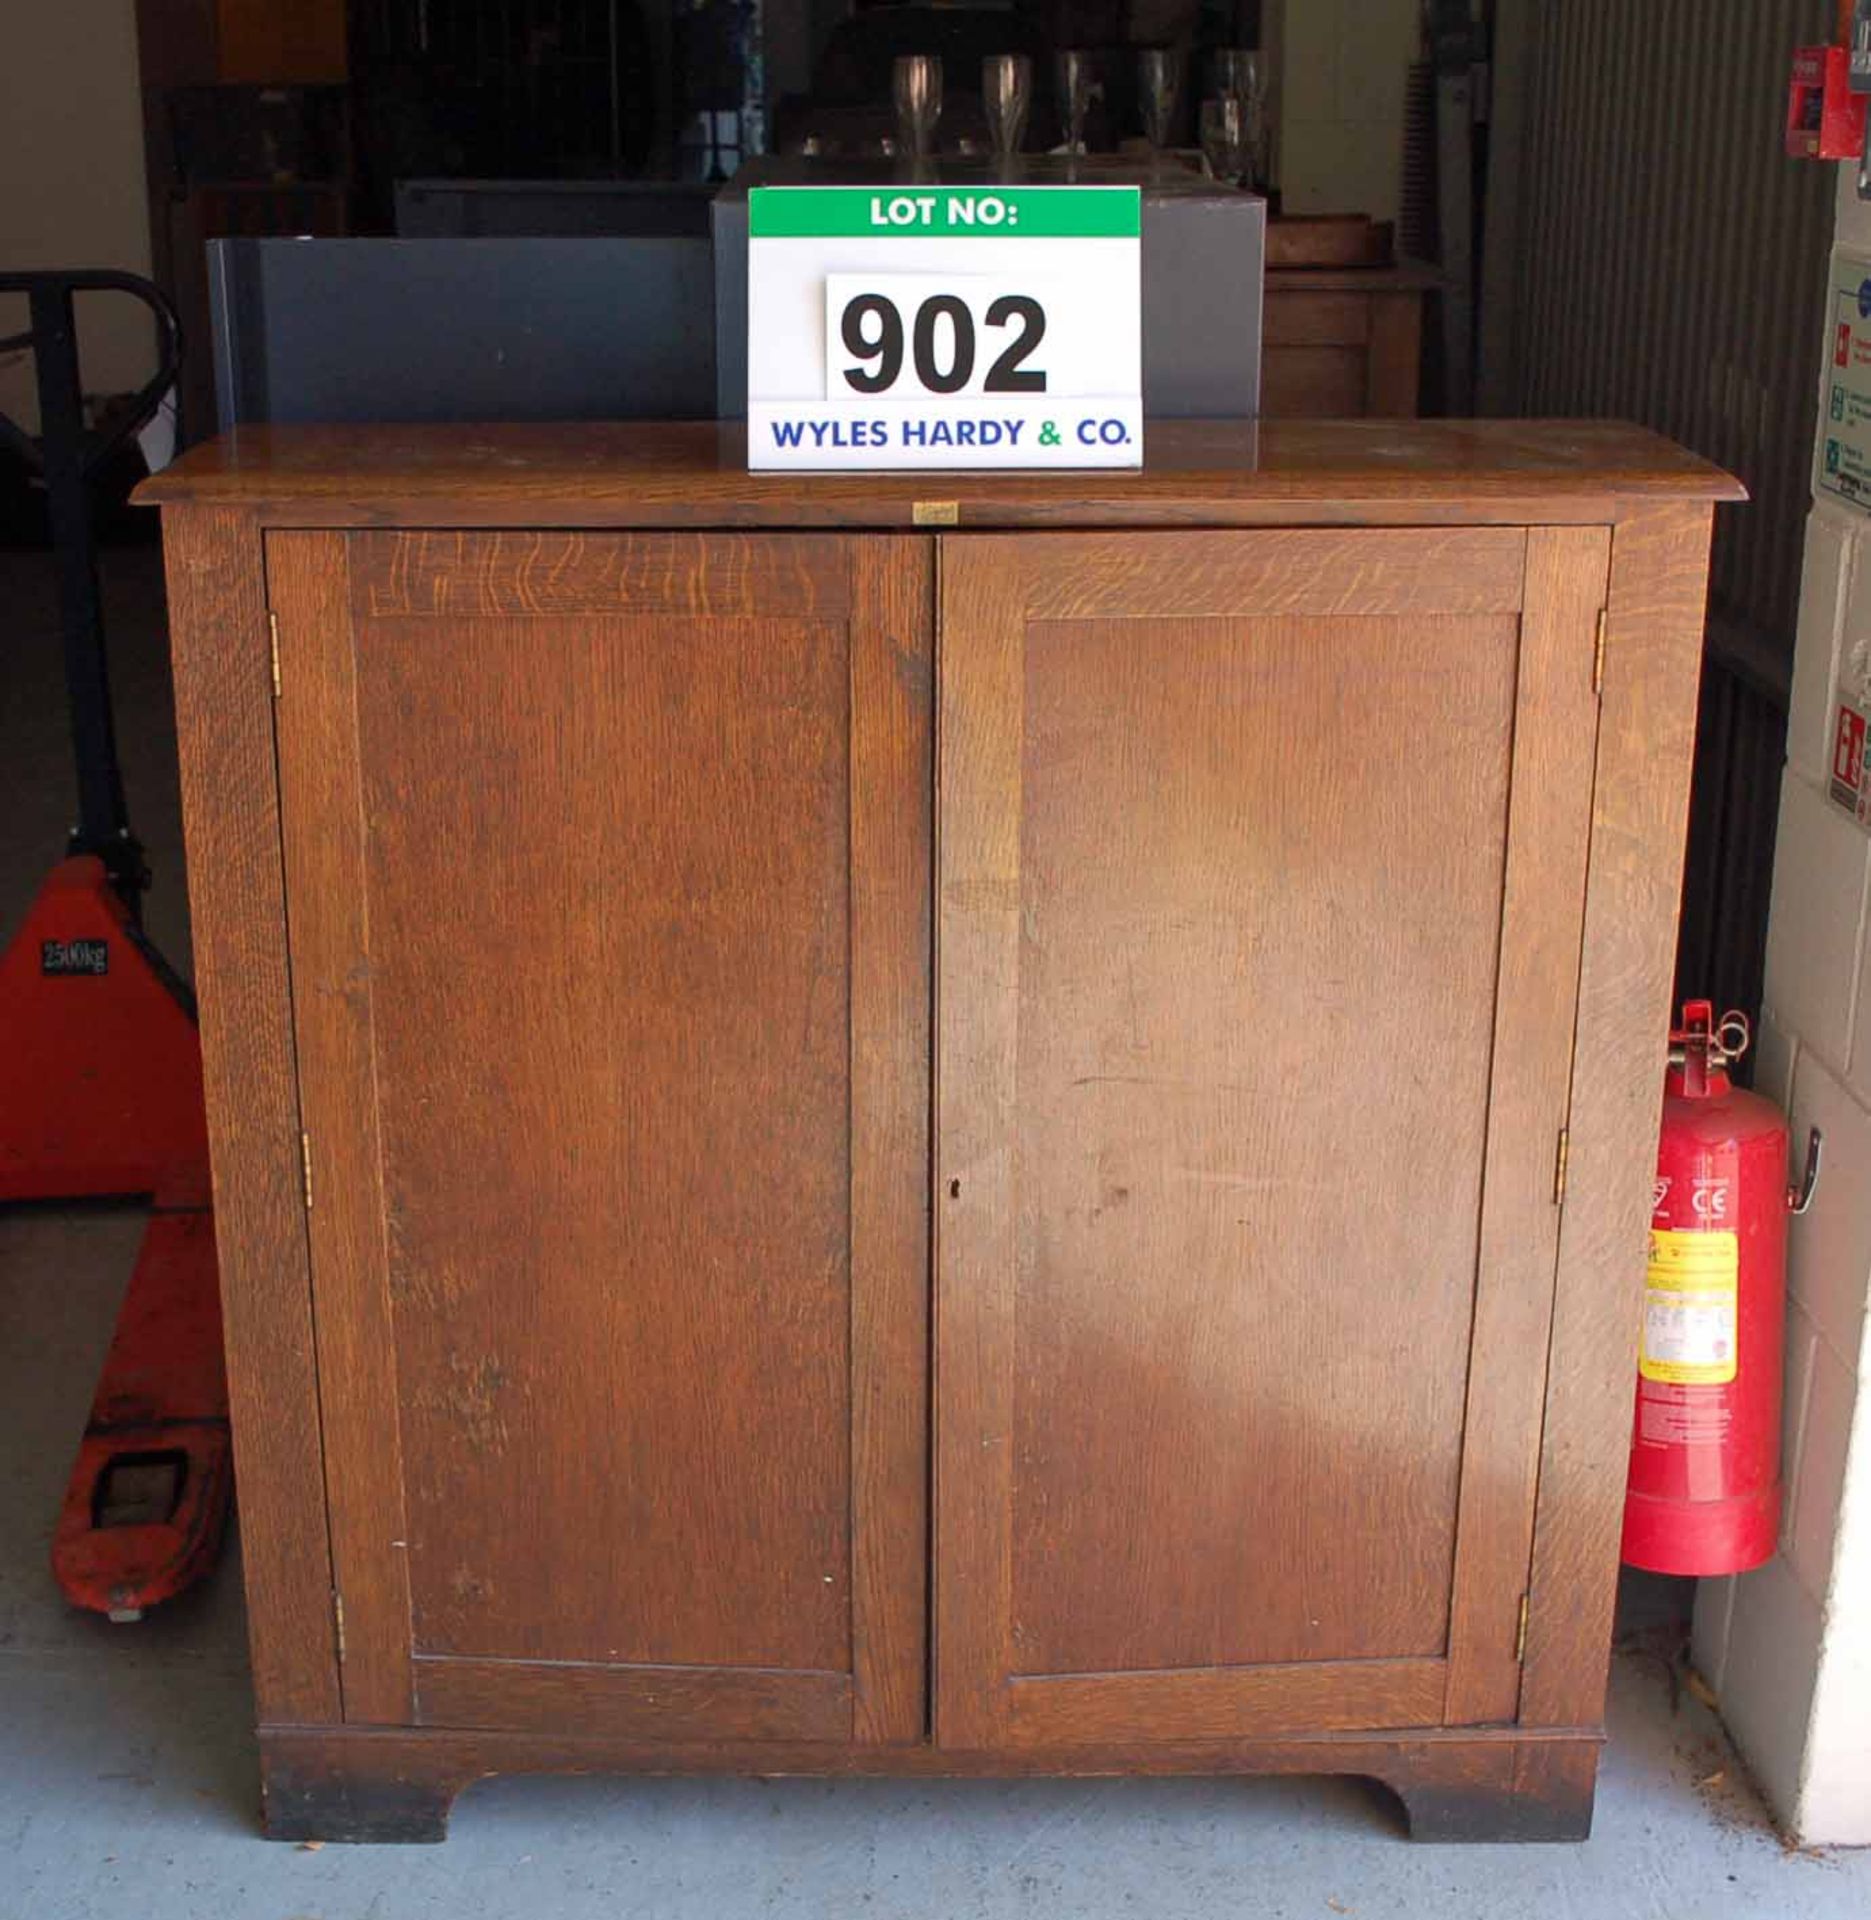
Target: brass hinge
[
  {"x": 305, "y": 1163},
  {"x": 936, "y": 513},
  {"x": 1561, "y": 1154},
  {"x": 1520, "y": 1633},
  {"x": 1598, "y": 655},
  {"x": 272, "y": 622},
  {"x": 337, "y": 1614}
]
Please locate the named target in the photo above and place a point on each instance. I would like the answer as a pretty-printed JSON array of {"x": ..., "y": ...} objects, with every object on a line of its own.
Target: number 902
[{"x": 872, "y": 329}]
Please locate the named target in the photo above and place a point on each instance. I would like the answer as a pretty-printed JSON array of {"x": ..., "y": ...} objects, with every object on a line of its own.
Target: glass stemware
[
  {"x": 1241, "y": 72},
  {"x": 1074, "y": 78},
  {"x": 916, "y": 84},
  {"x": 1158, "y": 81},
  {"x": 1237, "y": 70},
  {"x": 1006, "y": 97},
  {"x": 1225, "y": 136}
]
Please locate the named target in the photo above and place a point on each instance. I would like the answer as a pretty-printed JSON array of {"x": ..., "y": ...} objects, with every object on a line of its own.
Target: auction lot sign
[{"x": 922, "y": 326}]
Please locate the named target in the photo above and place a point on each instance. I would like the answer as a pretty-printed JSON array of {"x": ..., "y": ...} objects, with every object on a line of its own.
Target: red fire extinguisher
[{"x": 1704, "y": 1493}]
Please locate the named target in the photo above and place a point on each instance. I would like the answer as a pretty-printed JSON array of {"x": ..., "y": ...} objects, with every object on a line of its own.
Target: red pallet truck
[{"x": 100, "y": 1066}]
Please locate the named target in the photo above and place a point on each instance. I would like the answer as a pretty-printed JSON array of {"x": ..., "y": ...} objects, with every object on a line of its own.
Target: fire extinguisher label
[{"x": 1689, "y": 1308}]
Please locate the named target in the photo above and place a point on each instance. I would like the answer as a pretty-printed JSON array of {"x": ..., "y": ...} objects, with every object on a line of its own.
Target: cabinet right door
[{"x": 1261, "y": 869}]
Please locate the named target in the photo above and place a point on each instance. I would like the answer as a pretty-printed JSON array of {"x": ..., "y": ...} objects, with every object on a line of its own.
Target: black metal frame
[{"x": 67, "y": 454}]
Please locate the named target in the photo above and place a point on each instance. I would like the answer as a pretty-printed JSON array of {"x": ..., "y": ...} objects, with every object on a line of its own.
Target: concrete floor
[{"x": 127, "y": 1771}]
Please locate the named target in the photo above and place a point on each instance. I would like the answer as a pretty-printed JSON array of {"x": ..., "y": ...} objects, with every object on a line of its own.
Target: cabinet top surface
[{"x": 1225, "y": 473}]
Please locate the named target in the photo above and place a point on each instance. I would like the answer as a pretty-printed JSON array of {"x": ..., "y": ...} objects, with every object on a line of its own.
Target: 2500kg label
[{"x": 1690, "y": 1320}]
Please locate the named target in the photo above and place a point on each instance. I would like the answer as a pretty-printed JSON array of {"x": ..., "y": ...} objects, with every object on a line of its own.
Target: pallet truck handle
[
  {"x": 54, "y": 290},
  {"x": 67, "y": 455}
]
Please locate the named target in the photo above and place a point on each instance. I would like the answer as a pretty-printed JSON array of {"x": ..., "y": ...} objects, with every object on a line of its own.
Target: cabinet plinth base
[
  {"x": 395, "y": 1784},
  {"x": 333, "y": 1789},
  {"x": 1526, "y": 1790}
]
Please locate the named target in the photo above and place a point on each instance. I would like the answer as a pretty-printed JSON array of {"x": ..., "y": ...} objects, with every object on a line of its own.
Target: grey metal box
[{"x": 507, "y": 329}]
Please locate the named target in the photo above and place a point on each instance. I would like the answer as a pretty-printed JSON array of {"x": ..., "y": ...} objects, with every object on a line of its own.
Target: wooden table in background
[{"x": 1343, "y": 342}]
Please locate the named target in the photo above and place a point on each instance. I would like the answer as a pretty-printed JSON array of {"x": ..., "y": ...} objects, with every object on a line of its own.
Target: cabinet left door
[{"x": 607, "y": 866}]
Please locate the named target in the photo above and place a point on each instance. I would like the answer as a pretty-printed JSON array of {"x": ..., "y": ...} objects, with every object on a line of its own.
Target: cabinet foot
[
  {"x": 1527, "y": 1792},
  {"x": 354, "y": 1796}
]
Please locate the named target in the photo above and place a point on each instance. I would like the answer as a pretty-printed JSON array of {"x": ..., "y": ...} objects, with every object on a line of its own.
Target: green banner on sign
[{"x": 920, "y": 213}]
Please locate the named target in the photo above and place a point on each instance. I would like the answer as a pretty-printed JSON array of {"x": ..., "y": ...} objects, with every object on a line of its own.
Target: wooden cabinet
[{"x": 842, "y": 1148}]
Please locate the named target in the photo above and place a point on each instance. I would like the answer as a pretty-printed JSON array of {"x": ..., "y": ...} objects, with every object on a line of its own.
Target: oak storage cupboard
[{"x": 985, "y": 1124}]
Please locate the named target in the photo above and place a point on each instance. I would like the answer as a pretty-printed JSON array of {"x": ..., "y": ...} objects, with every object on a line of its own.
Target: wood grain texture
[
  {"x": 613, "y": 1036},
  {"x": 1640, "y": 799},
  {"x": 979, "y": 724},
  {"x": 892, "y": 593},
  {"x": 230, "y": 798},
  {"x": 1228, "y": 939},
  {"x": 1537, "y": 988},
  {"x": 324, "y": 834},
  {"x": 1221, "y": 1703},
  {"x": 1196, "y": 473},
  {"x": 1152, "y": 1250},
  {"x": 641, "y": 1703},
  {"x": 1467, "y": 570},
  {"x": 649, "y": 1318},
  {"x": 550, "y": 572}
]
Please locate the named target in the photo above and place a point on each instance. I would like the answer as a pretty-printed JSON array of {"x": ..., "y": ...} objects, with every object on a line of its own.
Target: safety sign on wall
[
  {"x": 1849, "y": 786},
  {"x": 924, "y": 326},
  {"x": 1843, "y": 465},
  {"x": 1842, "y": 469}
]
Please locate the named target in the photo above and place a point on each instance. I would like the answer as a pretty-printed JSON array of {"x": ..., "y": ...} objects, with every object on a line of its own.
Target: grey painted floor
[{"x": 127, "y": 1774}]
